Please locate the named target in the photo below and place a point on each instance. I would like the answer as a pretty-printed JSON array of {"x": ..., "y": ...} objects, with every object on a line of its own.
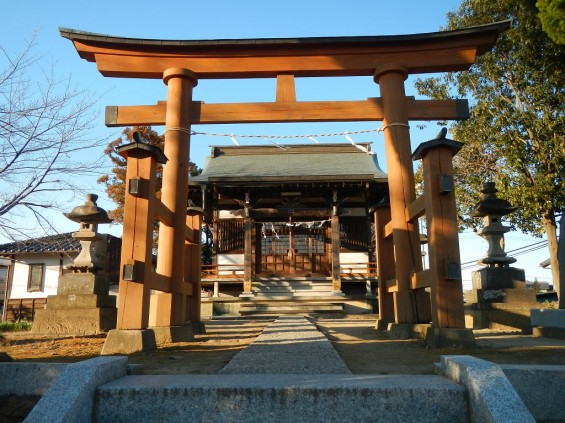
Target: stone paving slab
[
  {"x": 289, "y": 345},
  {"x": 281, "y": 399}
]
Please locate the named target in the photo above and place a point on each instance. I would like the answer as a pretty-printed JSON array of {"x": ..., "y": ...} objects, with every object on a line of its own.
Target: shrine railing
[
  {"x": 358, "y": 269},
  {"x": 231, "y": 270}
]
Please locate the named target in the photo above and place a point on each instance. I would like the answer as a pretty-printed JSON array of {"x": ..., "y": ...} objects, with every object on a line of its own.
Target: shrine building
[{"x": 298, "y": 213}]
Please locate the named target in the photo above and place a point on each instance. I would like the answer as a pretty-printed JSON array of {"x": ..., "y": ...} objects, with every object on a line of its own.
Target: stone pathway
[{"x": 289, "y": 345}]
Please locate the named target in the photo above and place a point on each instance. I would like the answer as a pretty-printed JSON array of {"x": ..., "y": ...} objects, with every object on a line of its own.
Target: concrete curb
[
  {"x": 28, "y": 378},
  {"x": 541, "y": 388},
  {"x": 71, "y": 397},
  {"x": 491, "y": 396}
]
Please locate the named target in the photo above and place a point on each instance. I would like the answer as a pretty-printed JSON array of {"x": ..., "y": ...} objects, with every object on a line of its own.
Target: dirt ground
[{"x": 364, "y": 350}]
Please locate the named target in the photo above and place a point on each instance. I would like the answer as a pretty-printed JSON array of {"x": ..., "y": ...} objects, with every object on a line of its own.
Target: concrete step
[
  {"x": 289, "y": 308},
  {"x": 280, "y": 398}
]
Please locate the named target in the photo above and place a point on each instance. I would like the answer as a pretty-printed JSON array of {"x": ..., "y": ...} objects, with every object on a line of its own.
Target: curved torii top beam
[{"x": 262, "y": 58}]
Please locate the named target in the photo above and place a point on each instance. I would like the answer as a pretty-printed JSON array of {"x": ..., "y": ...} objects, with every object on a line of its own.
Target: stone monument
[
  {"x": 499, "y": 298},
  {"x": 82, "y": 305}
]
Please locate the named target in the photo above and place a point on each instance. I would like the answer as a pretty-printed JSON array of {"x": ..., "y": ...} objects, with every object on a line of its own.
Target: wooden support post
[
  {"x": 336, "y": 265},
  {"x": 286, "y": 91},
  {"x": 174, "y": 194},
  {"x": 192, "y": 265},
  {"x": 441, "y": 220},
  {"x": 385, "y": 266},
  {"x": 401, "y": 188},
  {"x": 247, "y": 257},
  {"x": 137, "y": 239}
]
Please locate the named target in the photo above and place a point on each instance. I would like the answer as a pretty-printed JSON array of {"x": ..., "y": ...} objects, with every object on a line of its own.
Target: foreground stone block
[
  {"x": 281, "y": 399},
  {"x": 492, "y": 399},
  {"x": 129, "y": 341},
  {"x": 28, "y": 378},
  {"x": 541, "y": 388},
  {"x": 71, "y": 397}
]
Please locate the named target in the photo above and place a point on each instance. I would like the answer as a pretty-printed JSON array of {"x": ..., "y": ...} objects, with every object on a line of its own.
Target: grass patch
[{"x": 14, "y": 326}]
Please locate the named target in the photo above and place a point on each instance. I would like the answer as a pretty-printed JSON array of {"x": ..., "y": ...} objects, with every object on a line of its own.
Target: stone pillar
[
  {"x": 405, "y": 235},
  {"x": 384, "y": 254},
  {"x": 172, "y": 311}
]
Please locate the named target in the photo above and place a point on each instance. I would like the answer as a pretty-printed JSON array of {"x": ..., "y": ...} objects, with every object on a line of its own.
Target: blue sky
[{"x": 175, "y": 19}]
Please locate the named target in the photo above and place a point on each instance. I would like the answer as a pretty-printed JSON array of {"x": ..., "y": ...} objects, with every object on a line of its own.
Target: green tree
[
  {"x": 552, "y": 16},
  {"x": 515, "y": 135}
]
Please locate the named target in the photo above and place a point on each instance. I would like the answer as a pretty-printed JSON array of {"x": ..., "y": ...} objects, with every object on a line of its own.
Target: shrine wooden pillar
[
  {"x": 247, "y": 257},
  {"x": 384, "y": 253},
  {"x": 336, "y": 247},
  {"x": 405, "y": 234},
  {"x": 171, "y": 308},
  {"x": 247, "y": 248}
]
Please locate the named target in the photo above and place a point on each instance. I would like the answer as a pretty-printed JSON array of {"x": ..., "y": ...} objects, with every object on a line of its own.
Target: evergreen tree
[{"x": 516, "y": 133}]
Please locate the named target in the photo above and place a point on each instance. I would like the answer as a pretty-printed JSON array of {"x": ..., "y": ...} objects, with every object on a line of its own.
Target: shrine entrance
[
  {"x": 407, "y": 293},
  {"x": 293, "y": 248}
]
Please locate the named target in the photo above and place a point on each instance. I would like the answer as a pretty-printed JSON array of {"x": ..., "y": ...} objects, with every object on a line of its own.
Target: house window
[{"x": 35, "y": 277}]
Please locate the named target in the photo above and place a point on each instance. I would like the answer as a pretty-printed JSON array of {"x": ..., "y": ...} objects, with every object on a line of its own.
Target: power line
[{"x": 516, "y": 252}]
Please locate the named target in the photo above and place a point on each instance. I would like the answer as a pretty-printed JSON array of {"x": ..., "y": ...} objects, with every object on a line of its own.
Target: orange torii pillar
[
  {"x": 410, "y": 306},
  {"x": 171, "y": 308},
  {"x": 445, "y": 282}
]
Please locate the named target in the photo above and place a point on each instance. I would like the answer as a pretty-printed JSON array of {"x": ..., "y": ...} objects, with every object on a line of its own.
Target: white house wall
[{"x": 18, "y": 287}]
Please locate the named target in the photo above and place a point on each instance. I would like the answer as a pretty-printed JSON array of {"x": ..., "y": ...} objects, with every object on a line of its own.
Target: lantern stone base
[
  {"x": 82, "y": 306},
  {"x": 121, "y": 341},
  {"x": 499, "y": 300},
  {"x": 83, "y": 321},
  {"x": 498, "y": 278}
]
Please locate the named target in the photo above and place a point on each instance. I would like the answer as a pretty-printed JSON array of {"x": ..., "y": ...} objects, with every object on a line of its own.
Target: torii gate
[{"x": 389, "y": 59}]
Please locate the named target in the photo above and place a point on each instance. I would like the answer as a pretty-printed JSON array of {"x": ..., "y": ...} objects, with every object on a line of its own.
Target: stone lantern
[
  {"x": 83, "y": 305},
  {"x": 89, "y": 216},
  {"x": 492, "y": 209},
  {"x": 499, "y": 298}
]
